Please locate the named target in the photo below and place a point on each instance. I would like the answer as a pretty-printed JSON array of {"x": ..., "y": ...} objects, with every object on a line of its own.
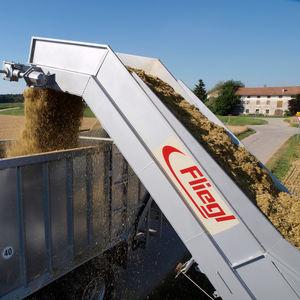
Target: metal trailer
[
  {"x": 232, "y": 242},
  {"x": 59, "y": 210}
]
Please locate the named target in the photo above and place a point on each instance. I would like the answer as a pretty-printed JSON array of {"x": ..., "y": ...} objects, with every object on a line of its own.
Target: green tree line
[
  {"x": 11, "y": 98},
  {"x": 222, "y": 99},
  {"x": 294, "y": 105}
]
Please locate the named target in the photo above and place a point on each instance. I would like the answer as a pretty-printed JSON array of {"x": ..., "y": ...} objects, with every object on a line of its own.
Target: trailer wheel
[
  {"x": 101, "y": 282},
  {"x": 95, "y": 290}
]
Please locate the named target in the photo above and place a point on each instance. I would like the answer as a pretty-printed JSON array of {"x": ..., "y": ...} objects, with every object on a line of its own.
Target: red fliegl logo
[{"x": 204, "y": 202}]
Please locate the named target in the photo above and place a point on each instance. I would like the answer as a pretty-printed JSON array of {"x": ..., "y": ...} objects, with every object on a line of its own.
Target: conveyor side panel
[{"x": 226, "y": 234}]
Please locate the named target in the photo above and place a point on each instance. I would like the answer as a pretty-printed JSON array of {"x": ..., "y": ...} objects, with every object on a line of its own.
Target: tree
[
  {"x": 200, "y": 91},
  {"x": 216, "y": 88},
  {"x": 227, "y": 100},
  {"x": 211, "y": 103},
  {"x": 294, "y": 104},
  {"x": 11, "y": 98}
]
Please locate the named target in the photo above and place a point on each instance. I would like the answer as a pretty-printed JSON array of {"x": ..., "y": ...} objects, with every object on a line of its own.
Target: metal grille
[{"x": 58, "y": 210}]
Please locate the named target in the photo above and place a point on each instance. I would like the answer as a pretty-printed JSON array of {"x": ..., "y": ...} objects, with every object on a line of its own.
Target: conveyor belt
[{"x": 239, "y": 250}]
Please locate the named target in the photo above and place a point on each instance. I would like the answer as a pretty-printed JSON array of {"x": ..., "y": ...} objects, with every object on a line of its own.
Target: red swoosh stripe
[{"x": 167, "y": 151}]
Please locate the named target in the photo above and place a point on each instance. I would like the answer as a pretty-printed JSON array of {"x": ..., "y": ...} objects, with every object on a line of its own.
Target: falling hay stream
[{"x": 52, "y": 121}]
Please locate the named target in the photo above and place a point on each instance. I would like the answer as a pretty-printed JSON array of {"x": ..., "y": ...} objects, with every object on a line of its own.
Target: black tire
[
  {"x": 82, "y": 283},
  {"x": 102, "y": 280},
  {"x": 95, "y": 290}
]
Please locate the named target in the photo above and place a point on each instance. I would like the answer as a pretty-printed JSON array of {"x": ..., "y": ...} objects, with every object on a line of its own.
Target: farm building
[{"x": 266, "y": 100}]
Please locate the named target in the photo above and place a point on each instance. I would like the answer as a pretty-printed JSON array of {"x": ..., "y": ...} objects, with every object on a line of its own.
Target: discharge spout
[{"x": 34, "y": 76}]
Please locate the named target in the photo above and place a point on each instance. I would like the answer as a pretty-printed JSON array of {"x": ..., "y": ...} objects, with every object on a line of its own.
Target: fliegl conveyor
[{"x": 232, "y": 242}]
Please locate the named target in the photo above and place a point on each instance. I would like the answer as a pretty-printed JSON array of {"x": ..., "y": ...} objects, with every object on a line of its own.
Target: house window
[
  {"x": 280, "y": 96},
  {"x": 257, "y": 101},
  {"x": 267, "y": 111},
  {"x": 279, "y": 103},
  {"x": 258, "y": 96},
  {"x": 247, "y": 111},
  {"x": 268, "y": 102},
  {"x": 257, "y": 111},
  {"x": 248, "y": 96},
  {"x": 269, "y": 97}
]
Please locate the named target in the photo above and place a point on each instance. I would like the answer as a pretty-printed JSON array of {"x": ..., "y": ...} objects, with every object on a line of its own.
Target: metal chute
[{"x": 239, "y": 250}]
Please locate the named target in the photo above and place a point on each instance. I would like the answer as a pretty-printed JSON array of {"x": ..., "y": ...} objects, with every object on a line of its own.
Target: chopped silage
[
  {"x": 282, "y": 209},
  {"x": 52, "y": 121}
]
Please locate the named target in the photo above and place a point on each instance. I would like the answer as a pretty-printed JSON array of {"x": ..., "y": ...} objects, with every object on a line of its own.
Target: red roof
[{"x": 269, "y": 91}]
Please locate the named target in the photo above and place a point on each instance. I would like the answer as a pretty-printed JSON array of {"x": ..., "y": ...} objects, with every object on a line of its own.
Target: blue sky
[{"x": 255, "y": 41}]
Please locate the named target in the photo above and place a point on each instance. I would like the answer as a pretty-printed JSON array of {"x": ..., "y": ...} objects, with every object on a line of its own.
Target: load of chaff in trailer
[{"x": 52, "y": 121}]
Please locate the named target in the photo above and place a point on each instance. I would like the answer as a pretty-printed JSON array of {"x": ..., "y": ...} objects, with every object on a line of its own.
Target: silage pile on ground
[
  {"x": 282, "y": 209},
  {"x": 52, "y": 121}
]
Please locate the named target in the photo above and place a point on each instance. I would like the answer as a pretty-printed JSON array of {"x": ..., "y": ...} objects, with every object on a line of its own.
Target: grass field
[
  {"x": 87, "y": 113},
  {"x": 263, "y": 116},
  {"x": 292, "y": 121},
  {"x": 10, "y": 105},
  {"x": 245, "y": 134},
  {"x": 241, "y": 120},
  {"x": 280, "y": 163},
  {"x": 19, "y": 111}
]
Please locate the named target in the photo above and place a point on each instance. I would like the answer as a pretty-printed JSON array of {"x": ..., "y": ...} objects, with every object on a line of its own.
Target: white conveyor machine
[{"x": 233, "y": 243}]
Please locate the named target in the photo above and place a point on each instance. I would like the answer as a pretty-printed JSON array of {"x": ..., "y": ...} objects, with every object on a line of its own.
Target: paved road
[{"x": 268, "y": 138}]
